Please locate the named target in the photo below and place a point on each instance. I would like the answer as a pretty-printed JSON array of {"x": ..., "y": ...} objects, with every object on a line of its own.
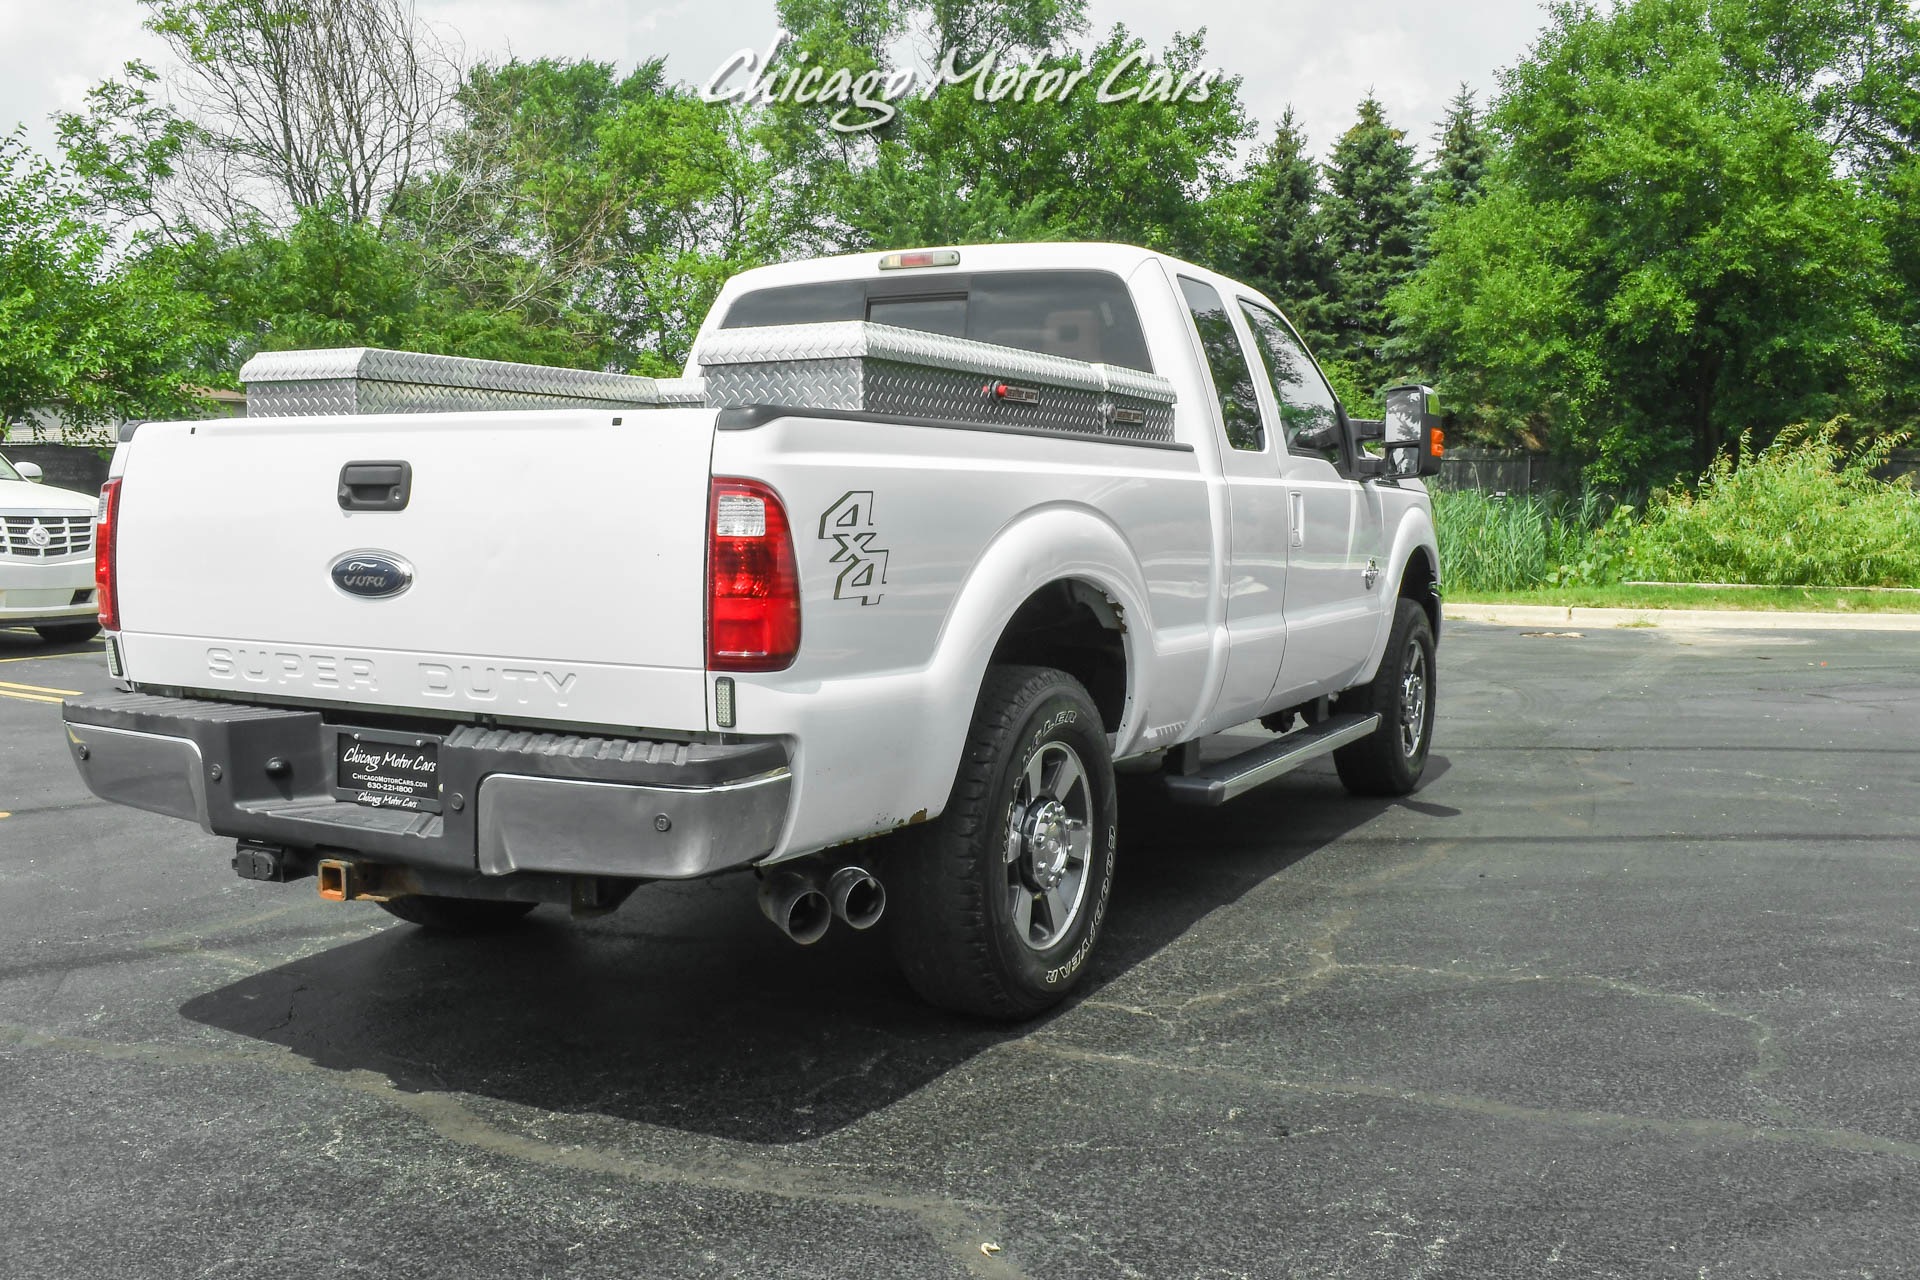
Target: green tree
[
  {"x": 1137, "y": 170},
  {"x": 80, "y": 334},
  {"x": 1370, "y": 221},
  {"x": 1287, "y": 256},
  {"x": 1463, "y": 150},
  {"x": 1460, "y": 159},
  {"x": 1664, "y": 254},
  {"x": 610, "y": 205}
]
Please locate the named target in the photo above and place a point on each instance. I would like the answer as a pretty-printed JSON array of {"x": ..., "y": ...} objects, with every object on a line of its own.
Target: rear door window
[{"x": 1227, "y": 361}]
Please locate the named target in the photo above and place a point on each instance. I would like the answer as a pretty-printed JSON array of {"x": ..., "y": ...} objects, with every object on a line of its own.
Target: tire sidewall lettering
[
  {"x": 1053, "y": 725},
  {"x": 1060, "y": 973}
]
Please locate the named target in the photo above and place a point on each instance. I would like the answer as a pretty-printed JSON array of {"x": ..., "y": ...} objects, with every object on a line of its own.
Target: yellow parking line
[
  {"x": 36, "y": 688},
  {"x": 49, "y": 657},
  {"x": 27, "y": 697}
]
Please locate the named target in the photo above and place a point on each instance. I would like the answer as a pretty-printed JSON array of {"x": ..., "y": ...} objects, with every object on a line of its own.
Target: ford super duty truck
[{"x": 871, "y": 602}]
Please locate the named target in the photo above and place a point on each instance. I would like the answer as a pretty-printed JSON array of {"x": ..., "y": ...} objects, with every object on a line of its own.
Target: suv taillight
[
  {"x": 753, "y": 586},
  {"x": 105, "y": 528}
]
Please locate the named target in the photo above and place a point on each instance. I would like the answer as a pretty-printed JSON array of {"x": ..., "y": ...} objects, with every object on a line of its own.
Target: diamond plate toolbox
[
  {"x": 889, "y": 370},
  {"x": 372, "y": 380}
]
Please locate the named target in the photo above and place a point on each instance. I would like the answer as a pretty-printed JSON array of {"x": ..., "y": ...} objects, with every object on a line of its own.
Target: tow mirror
[
  {"x": 30, "y": 471},
  {"x": 1415, "y": 438}
]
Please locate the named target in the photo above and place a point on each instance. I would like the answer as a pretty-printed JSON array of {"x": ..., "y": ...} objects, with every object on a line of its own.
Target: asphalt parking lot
[{"x": 1629, "y": 989}]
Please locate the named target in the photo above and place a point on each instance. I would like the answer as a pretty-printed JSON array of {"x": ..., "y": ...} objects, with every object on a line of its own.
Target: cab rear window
[{"x": 1081, "y": 315}]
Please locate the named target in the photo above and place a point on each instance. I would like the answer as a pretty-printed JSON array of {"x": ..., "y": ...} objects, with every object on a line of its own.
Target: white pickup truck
[{"x": 871, "y": 602}]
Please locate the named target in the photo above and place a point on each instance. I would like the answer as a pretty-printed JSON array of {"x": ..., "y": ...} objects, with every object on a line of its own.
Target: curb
[{"x": 1538, "y": 615}]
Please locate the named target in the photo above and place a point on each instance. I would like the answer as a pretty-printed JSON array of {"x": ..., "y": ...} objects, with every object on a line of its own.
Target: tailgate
[{"x": 556, "y": 556}]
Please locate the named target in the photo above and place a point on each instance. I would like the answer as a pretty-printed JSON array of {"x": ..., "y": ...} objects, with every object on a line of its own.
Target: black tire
[
  {"x": 457, "y": 915},
  {"x": 954, "y": 891},
  {"x": 1382, "y": 763},
  {"x": 69, "y": 632}
]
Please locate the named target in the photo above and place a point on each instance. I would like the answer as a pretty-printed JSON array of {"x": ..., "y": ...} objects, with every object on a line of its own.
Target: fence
[{"x": 1514, "y": 471}]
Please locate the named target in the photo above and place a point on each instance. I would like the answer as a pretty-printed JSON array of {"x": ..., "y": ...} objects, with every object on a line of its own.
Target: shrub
[{"x": 1805, "y": 511}]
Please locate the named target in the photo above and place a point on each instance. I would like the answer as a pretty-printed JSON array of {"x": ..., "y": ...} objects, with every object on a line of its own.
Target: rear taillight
[
  {"x": 105, "y": 528},
  {"x": 753, "y": 587}
]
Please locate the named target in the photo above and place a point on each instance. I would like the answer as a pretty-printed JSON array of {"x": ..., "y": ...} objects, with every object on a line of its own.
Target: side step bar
[{"x": 1226, "y": 779}]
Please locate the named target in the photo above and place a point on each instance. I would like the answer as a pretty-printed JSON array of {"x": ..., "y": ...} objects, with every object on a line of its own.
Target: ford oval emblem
[{"x": 374, "y": 574}]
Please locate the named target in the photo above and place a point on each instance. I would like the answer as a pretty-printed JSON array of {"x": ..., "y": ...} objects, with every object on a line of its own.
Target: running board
[{"x": 1235, "y": 776}]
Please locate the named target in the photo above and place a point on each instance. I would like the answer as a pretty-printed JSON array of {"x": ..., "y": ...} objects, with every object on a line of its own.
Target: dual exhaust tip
[{"x": 802, "y": 904}]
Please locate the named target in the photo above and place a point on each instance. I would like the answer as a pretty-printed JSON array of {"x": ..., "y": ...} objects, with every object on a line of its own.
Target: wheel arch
[
  {"x": 1420, "y": 583},
  {"x": 1413, "y": 566},
  {"x": 1058, "y": 587}
]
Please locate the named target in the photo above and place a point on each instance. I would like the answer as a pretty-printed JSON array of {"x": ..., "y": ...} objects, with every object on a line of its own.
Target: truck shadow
[{"x": 687, "y": 1010}]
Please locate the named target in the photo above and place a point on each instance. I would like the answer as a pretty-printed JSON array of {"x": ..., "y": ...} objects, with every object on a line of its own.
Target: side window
[
  {"x": 1232, "y": 375},
  {"x": 1308, "y": 411}
]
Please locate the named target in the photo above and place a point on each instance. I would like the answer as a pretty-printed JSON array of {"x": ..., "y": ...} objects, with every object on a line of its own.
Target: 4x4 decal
[{"x": 848, "y": 523}]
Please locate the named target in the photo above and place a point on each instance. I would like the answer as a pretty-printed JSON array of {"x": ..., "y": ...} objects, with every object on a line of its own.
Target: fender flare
[
  {"x": 1415, "y": 533},
  {"x": 1041, "y": 546}
]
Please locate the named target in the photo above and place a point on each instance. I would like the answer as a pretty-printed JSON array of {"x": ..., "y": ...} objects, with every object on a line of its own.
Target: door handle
[
  {"x": 1297, "y": 516},
  {"x": 376, "y": 486}
]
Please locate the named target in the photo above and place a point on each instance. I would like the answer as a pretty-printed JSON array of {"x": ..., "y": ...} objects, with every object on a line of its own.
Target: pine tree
[
  {"x": 1288, "y": 258},
  {"x": 1460, "y": 161},
  {"x": 1462, "y": 149},
  {"x": 1370, "y": 219}
]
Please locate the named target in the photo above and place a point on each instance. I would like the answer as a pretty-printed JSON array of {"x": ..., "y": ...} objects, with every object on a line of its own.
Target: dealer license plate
[{"x": 390, "y": 771}]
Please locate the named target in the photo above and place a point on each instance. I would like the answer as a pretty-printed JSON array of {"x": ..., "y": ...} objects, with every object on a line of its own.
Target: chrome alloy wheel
[
  {"x": 1049, "y": 843},
  {"x": 1413, "y": 700}
]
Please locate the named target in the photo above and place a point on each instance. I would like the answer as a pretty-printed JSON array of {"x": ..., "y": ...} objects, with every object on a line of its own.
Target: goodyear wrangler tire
[
  {"x": 1390, "y": 760},
  {"x": 996, "y": 905}
]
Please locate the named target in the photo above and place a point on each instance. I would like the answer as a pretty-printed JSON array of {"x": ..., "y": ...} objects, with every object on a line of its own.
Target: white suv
[{"x": 46, "y": 557}]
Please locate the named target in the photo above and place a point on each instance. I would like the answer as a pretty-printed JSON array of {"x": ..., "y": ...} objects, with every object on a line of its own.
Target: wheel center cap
[{"x": 1047, "y": 843}]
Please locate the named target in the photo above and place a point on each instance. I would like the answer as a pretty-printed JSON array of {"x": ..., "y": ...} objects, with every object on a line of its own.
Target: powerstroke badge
[{"x": 848, "y": 524}]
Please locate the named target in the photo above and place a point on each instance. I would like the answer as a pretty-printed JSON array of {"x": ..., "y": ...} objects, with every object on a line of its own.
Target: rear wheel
[
  {"x": 1390, "y": 760},
  {"x": 456, "y": 915},
  {"x": 69, "y": 632},
  {"x": 996, "y": 905}
]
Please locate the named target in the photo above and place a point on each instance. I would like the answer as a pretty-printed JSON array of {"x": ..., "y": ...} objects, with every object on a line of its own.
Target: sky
[{"x": 1320, "y": 58}]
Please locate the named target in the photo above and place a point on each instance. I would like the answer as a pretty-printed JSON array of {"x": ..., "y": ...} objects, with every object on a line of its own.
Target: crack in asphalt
[
  {"x": 958, "y": 1227},
  {"x": 1325, "y": 964},
  {"x": 192, "y": 940},
  {"x": 1846, "y": 1140}
]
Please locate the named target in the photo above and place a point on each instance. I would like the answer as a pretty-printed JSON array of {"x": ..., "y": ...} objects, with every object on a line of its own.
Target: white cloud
[
  {"x": 1320, "y": 58},
  {"x": 51, "y": 54}
]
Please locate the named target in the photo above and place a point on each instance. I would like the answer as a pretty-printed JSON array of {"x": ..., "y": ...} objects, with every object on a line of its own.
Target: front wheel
[
  {"x": 1390, "y": 760},
  {"x": 996, "y": 905}
]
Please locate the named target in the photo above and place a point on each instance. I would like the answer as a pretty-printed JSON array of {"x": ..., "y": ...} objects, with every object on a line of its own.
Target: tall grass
[
  {"x": 1508, "y": 543},
  {"x": 1805, "y": 511}
]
